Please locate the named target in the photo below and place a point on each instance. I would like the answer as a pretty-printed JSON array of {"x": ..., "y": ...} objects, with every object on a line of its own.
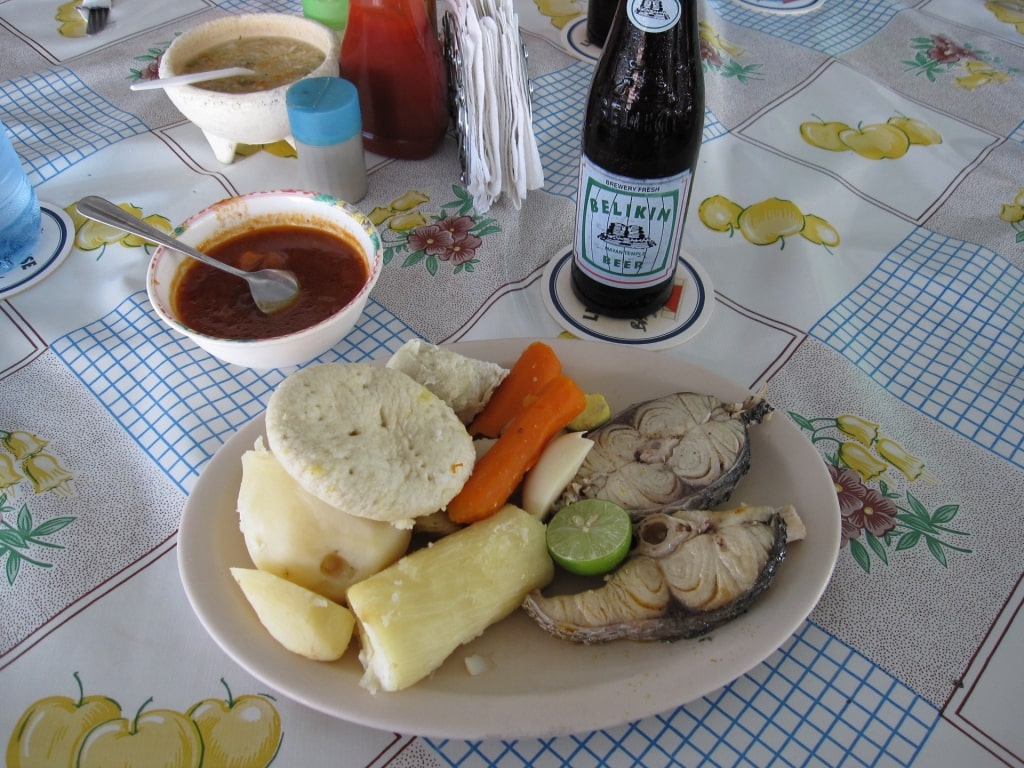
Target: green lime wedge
[{"x": 590, "y": 537}]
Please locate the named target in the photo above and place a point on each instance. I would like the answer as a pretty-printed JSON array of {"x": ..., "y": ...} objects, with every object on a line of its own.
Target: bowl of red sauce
[{"x": 333, "y": 249}]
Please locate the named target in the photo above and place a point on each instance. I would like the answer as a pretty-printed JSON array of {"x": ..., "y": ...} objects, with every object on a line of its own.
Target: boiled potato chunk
[
  {"x": 413, "y": 614},
  {"x": 302, "y": 621},
  {"x": 293, "y": 534}
]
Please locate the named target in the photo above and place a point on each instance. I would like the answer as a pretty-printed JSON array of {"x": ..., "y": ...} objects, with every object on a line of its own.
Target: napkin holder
[{"x": 489, "y": 99}]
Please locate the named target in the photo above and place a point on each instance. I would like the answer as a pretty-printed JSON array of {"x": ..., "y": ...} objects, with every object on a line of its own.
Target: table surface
[{"x": 897, "y": 352}]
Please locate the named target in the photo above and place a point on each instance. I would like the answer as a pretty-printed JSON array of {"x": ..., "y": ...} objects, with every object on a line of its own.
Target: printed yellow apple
[
  {"x": 240, "y": 733},
  {"x": 1011, "y": 213},
  {"x": 408, "y": 200},
  {"x": 710, "y": 36},
  {"x": 824, "y": 135},
  {"x": 719, "y": 213},
  {"x": 160, "y": 738},
  {"x": 877, "y": 141},
  {"x": 403, "y": 222},
  {"x": 92, "y": 235},
  {"x": 917, "y": 131},
  {"x": 68, "y": 12},
  {"x": 154, "y": 220},
  {"x": 51, "y": 730},
  {"x": 561, "y": 12},
  {"x": 278, "y": 148},
  {"x": 819, "y": 231},
  {"x": 1008, "y": 11},
  {"x": 72, "y": 22},
  {"x": 770, "y": 220}
]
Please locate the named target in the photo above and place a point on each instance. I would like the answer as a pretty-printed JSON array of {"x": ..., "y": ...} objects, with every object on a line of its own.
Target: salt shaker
[{"x": 323, "y": 113}]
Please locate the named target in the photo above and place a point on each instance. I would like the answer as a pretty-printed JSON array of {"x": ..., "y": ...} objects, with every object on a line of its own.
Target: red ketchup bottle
[{"x": 392, "y": 54}]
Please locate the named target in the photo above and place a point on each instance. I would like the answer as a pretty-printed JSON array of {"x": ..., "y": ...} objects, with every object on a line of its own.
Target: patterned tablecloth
[{"x": 873, "y": 283}]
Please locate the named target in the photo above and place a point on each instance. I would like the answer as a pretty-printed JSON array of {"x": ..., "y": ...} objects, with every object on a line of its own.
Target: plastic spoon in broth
[
  {"x": 193, "y": 77},
  {"x": 272, "y": 289}
]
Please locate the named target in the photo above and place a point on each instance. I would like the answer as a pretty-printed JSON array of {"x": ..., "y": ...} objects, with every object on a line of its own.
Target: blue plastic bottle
[{"x": 20, "y": 223}]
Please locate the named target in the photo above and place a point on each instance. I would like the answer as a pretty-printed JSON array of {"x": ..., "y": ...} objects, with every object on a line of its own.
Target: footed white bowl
[{"x": 230, "y": 119}]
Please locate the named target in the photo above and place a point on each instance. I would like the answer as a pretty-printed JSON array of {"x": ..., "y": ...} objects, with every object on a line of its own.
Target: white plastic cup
[{"x": 20, "y": 219}]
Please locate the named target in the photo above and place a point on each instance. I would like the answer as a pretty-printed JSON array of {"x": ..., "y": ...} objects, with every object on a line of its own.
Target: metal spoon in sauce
[{"x": 272, "y": 289}]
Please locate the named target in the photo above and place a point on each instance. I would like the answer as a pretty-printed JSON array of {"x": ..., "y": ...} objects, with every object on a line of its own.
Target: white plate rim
[{"x": 454, "y": 704}]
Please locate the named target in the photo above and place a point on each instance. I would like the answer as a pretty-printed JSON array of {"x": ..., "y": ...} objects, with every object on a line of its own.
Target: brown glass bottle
[
  {"x": 642, "y": 131},
  {"x": 599, "y": 19}
]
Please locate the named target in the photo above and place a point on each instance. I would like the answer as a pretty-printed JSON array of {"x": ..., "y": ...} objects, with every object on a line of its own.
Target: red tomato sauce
[{"x": 330, "y": 270}]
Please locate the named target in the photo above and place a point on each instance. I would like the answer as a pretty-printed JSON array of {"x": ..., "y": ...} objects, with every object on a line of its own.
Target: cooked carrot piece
[
  {"x": 535, "y": 367},
  {"x": 500, "y": 470}
]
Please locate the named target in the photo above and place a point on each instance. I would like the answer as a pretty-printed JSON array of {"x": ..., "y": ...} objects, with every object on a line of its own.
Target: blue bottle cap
[{"x": 323, "y": 111}]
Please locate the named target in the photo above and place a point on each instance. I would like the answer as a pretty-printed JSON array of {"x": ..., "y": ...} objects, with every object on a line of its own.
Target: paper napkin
[{"x": 490, "y": 93}]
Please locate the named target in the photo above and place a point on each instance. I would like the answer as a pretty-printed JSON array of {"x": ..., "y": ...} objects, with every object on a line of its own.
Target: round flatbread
[{"x": 369, "y": 441}]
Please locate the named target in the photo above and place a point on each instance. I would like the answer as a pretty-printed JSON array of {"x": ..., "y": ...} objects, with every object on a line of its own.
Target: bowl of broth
[
  {"x": 334, "y": 250},
  {"x": 247, "y": 109}
]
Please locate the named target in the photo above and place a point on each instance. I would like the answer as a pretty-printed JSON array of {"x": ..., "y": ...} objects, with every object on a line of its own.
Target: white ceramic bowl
[
  {"x": 234, "y": 215},
  {"x": 230, "y": 119}
]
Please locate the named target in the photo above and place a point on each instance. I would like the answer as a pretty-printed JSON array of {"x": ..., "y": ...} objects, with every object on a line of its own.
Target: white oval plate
[{"x": 536, "y": 685}]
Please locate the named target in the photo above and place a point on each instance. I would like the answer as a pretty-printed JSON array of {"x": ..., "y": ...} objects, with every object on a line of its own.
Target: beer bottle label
[
  {"x": 654, "y": 15},
  {"x": 628, "y": 231}
]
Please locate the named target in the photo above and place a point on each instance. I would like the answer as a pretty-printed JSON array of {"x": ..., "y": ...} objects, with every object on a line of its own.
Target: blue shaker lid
[{"x": 323, "y": 111}]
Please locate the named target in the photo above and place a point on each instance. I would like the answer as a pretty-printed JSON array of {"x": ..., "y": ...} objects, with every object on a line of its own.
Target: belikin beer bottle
[
  {"x": 599, "y": 19},
  {"x": 641, "y": 136}
]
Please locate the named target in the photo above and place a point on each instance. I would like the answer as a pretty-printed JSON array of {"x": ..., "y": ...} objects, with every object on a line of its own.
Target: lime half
[{"x": 590, "y": 537}]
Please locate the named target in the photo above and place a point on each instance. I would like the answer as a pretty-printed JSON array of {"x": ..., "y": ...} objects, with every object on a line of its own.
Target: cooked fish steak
[
  {"x": 689, "y": 572},
  {"x": 681, "y": 451}
]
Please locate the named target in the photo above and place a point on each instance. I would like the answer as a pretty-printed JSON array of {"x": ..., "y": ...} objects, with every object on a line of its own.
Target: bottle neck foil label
[
  {"x": 654, "y": 15},
  {"x": 629, "y": 231}
]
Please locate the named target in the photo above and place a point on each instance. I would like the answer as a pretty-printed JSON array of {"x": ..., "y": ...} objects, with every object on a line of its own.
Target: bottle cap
[
  {"x": 323, "y": 111},
  {"x": 331, "y": 13}
]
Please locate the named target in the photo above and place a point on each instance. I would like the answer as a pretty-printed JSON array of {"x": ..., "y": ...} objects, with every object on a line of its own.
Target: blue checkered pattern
[
  {"x": 940, "y": 325},
  {"x": 89, "y": 123},
  {"x": 260, "y": 6},
  {"x": 832, "y": 29},
  {"x": 178, "y": 403},
  {"x": 814, "y": 703},
  {"x": 559, "y": 99},
  {"x": 1018, "y": 134}
]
